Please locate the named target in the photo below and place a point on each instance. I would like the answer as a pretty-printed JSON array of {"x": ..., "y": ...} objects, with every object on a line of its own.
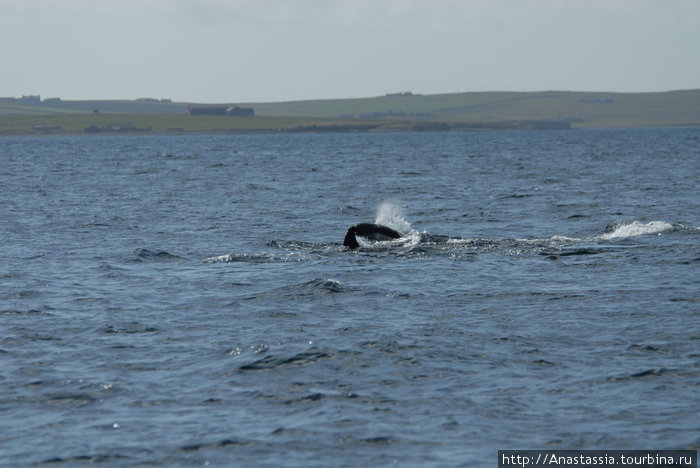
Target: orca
[{"x": 371, "y": 231}]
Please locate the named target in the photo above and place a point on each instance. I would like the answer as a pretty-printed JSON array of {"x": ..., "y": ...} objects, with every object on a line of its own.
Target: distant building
[
  {"x": 31, "y": 98},
  {"x": 236, "y": 111},
  {"x": 403, "y": 94}
]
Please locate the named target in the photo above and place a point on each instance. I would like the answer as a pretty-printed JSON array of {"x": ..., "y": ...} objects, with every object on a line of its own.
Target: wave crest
[{"x": 636, "y": 228}]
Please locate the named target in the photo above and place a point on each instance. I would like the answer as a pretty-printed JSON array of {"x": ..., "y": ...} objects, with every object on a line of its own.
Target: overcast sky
[{"x": 283, "y": 50}]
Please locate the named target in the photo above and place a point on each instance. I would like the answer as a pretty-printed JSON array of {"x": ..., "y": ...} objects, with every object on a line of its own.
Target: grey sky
[{"x": 273, "y": 50}]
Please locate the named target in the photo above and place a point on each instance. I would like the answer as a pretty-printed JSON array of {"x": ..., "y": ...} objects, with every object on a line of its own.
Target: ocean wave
[
  {"x": 314, "y": 288},
  {"x": 145, "y": 255},
  {"x": 128, "y": 328},
  {"x": 275, "y": 362},
  {"x": 647, "y": 373}
]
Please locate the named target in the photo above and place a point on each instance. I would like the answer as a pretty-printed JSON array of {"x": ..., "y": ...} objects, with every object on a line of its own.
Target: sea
[{"x": 186, "y": 300}]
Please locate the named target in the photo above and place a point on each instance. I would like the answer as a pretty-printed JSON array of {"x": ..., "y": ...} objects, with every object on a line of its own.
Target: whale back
[{"x": 371, "y": 231}]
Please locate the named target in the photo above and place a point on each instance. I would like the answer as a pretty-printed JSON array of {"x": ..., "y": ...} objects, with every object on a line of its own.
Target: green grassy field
[
  {"x": 402, "y": 112},
  {"x": 579, "y": 108}
]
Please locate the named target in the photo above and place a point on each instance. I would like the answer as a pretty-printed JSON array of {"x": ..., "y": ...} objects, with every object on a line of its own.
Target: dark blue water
[{"x": 186, "y": 300}]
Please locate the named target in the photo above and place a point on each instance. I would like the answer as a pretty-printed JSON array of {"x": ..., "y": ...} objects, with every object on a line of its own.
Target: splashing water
[
  {"x": 391, "y": 215},
  {"x": 636, "y": 228}
]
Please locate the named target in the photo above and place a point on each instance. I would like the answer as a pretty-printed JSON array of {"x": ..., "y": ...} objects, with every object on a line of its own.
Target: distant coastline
[{"x": 405, "y": 111}]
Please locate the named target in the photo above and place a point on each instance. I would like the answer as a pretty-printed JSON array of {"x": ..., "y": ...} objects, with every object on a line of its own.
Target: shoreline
[
  {"x": 340, "y": 129},
  {"x": 118, "y": 124}
]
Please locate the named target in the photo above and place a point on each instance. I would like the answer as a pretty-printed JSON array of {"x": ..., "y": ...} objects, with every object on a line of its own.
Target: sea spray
[
  {"x": 388, "y": 214},
  {"x": 391, "y": 215},
  {"x": 637, "y": 228}
]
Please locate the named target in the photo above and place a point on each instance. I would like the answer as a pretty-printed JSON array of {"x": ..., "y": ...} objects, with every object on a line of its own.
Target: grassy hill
[
  {"x": 403, "y": 111},
  {"x": 582, "y": 109}
]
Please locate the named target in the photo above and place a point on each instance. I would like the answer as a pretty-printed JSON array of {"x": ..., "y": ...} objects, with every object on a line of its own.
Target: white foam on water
[
  {"x": 458, "y": 241},
  {"x": 228, "y": 258},
  {"x": 407, "y": 242},
  {"x": 564, "y": 239},
  {"x": 636, "y": 228}
]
